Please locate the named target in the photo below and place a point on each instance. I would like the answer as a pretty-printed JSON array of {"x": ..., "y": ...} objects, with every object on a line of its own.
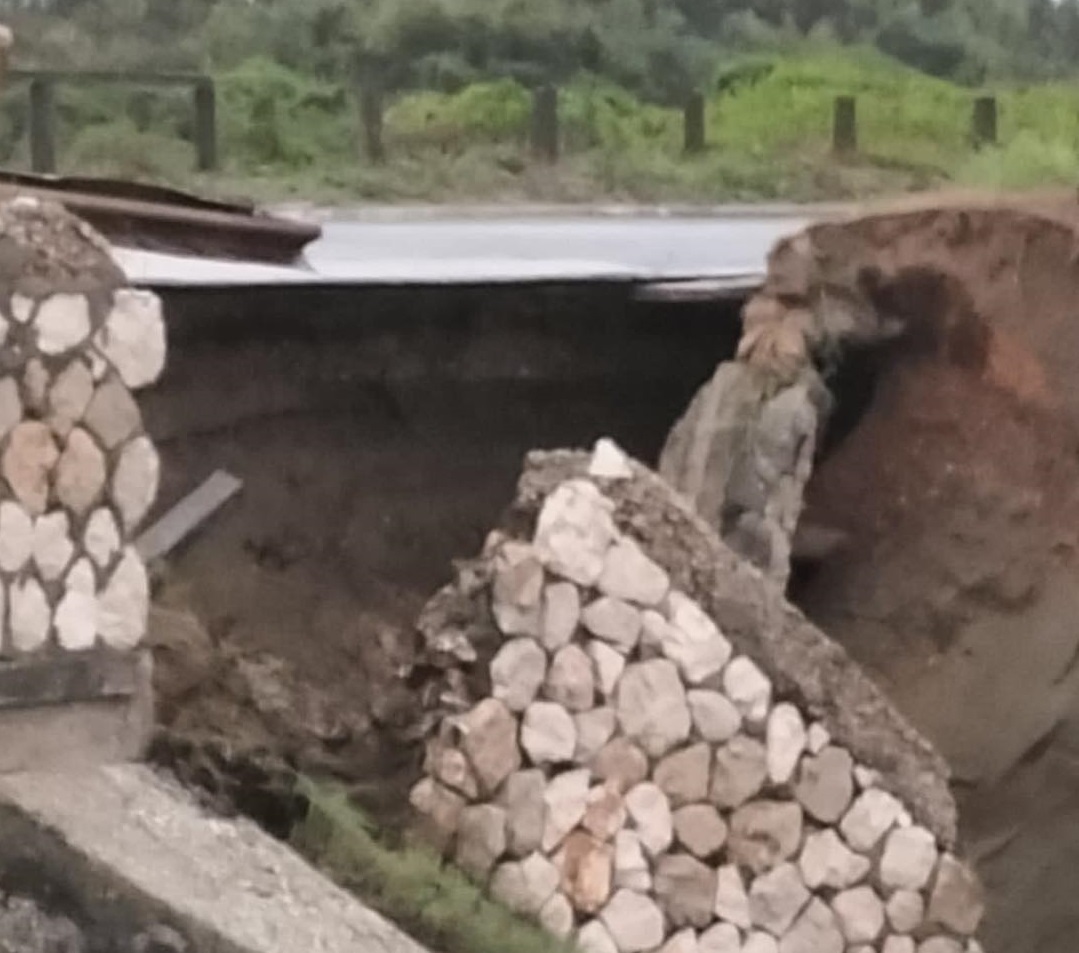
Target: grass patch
[
  {"x": 769, "y": 120},
  {"x": 431, "y": 901}
]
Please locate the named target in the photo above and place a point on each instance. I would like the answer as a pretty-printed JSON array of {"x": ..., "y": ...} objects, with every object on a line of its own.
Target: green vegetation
[
  {"x": 434, "y": 903},
  {"x": 456, "y": 77}
]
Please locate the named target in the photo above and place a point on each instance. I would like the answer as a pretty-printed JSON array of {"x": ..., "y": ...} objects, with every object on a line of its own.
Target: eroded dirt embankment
[
  {"x": 379, "y": 437},
  {"x": 950, "y": 339}
]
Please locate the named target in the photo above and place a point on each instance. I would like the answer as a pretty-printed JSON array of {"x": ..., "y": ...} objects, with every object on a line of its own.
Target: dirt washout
[{"x": 948, "y": 334}]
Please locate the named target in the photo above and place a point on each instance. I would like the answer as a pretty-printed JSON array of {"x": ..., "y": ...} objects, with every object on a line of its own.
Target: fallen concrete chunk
[{"x": 133, "y": 852}]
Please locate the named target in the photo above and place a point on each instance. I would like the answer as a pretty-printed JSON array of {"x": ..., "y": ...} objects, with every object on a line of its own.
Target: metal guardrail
[{"x": 43, "y": 83}]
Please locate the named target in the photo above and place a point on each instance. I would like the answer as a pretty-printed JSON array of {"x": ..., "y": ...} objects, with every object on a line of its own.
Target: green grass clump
[{"x": 433, "y": 902}]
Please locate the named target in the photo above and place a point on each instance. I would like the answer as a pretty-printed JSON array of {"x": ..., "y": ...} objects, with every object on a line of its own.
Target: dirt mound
[{"x": 947, "y": 332}]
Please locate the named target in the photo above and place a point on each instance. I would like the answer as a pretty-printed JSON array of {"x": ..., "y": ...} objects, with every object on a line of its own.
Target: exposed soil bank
[
  {"x": 954, "y": 479},
  {"x": 378, "y": 437}
]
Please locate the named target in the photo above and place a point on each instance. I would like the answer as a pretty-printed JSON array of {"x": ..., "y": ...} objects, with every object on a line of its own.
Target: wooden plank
[
  {"x": 42, "y": 126},
  {"x": 81, "y": 77},
  {"x": 187, "y": 515},
  {"x": 70, "y": 678},
  {"x": 694, "y": 125}
]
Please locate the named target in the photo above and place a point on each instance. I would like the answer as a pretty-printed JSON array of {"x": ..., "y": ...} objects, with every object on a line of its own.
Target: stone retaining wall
[
  {"x": 79, "y": 473},
  {"x": 623, "y": 751}
]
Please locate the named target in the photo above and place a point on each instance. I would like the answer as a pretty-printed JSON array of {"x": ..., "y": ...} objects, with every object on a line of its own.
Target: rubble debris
[{"x": 717, "y": 842}]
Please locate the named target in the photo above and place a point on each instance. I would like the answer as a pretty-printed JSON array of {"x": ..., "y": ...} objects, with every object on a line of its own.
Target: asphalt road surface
[{"x": 629, "y": 246}]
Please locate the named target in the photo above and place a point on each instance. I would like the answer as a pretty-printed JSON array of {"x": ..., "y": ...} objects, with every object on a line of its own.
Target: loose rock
[
  {"x": 124, "y": 604},
  {"x": 764, "y": 834},
  {"x": 587, "y": 871},
  {"x": 686, "y": 890},
  {"x": 441, "y": 809},
  {"x": 570, "y": 682},
  {"x": 30, "y": 615},
  {"x": 827, "y": 862},
  {"x": 450, "y": 767},
  {"x": 693, "y": 641},
  {"x": 683, "y": 776},
  {"x": 628, "y": 574},
  {"x": 860, "y": 913},
  {"x": 776, "y": 898},
  {"x": 957, "y": 901},
  {"x": 635, "y": 923},
  {"x": 62, "y": 321},
  {"x": 652, "y": 708},
  {"x": 113, "y": 416},
  {"x": 53, "y": 548},
  {"x": 631, "y": 868},
  {"x": 722, "y": 938},
  {"x": 615, "y": 622},
  {"x": 825, "y": 785},
  {"x": 481, "y": 839},
  {"x": 607, "y": 666},
  {"x": 574, "y": 531},
  {"x": 908, "y": 860},
  {"x": 561, "y": 615},
  {"x": 566, "y": 800},
  {"x": 749, "y": 689},
  {"x": 525, "y": 886},
  {"x": 133, "y": 337},
  {"x": 818, "y": 738},
  {"x": 30, "y": 456},
  {"x": 595, "y": 938},
  {"x": 651, "y": 813},
  {"x": 622, "y": 763},
  {"x": 815, "y": 931},
  {"x": 786, "y": 741},
  {"x": 526, "y": 811},
  {"x": 898, "y": 944},
  {"x": 700, "y": 829},
  {"x": 134, "y": 483},
  {"x": 684, "y": 942},
  {"x": 594, "y": 729},
  {"x": 76, "y": 620},
  {"x": 874, "y": 813},
  {"x": 609, "y": 462},
  {"x": 714, "y": 716},
  {"x": 605, "y": 815},
  {"x": 489, "y": 740},
  {"x": 548, "y": 734},
  {"x": 556, "y": 917},
  {"x": 760, "y": 943},
  {"x": 905, "y": 910},
  {"x": 80, "y": 473},
  {"x": 68, "y": 399},
  {"x": 517, "y": 672},
  {"x": 741, "y": 768},
  {"x": 517, "y": 591},
  {"x": 732, "y": 900},
  {"x": 10, "y": 405},
  {"x": 16, "y": 536}
]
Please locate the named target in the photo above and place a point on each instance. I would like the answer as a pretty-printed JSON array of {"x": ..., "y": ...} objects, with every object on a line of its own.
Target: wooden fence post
[
  {"x": 545, "y": 124},
  {"x": 694, "y": 124},
  {"x": 984, "y": 122},
  {"x": 206, "y": 125},
  {"x": 845, "y": 126},
  {"x": 42, "y": 129},
  {"x": 371, "y": 123}
]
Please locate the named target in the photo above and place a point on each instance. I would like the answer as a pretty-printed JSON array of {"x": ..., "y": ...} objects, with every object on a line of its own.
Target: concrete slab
[
  {"x": 125, "y": 853},
  {"x": 75, "y": 712}
]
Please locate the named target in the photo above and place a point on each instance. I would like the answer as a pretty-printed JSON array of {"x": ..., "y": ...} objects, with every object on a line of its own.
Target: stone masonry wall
[
  {"x": 79, "y": 473},
  {"x": 612, "y": 765}
]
